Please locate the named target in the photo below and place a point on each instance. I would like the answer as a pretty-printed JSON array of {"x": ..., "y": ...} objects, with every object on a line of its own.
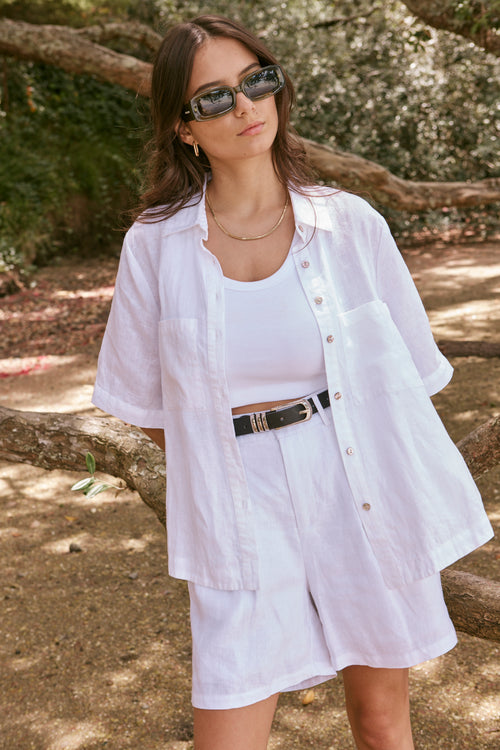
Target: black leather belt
[{"x": 282, "y": 416}]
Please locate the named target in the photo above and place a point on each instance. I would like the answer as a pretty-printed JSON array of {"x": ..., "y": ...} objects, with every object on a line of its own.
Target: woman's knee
[{"x": 378, "y": 707}]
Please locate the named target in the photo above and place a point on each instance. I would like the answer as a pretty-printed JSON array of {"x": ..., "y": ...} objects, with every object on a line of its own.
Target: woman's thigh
[{"x": 245, "y": 728}]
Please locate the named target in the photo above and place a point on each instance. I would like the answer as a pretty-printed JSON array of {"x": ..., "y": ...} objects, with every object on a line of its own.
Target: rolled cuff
[
  {"x": 440, "y": 378},
  {"x": 136, "y": 415}
]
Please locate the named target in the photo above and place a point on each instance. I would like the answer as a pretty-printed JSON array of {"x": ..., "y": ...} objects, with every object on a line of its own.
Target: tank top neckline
[{"x": 268, "y": 281}]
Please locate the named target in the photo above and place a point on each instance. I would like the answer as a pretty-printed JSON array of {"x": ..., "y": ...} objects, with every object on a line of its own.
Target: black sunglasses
[{"x": 219, "y": 101}]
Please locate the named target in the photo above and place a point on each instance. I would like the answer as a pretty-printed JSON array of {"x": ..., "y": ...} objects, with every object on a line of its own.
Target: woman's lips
[{"x": 253, "y": 129}]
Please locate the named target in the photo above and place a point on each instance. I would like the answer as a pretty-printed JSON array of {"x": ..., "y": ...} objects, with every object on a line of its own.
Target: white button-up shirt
[{"x": 162, "y": 366}]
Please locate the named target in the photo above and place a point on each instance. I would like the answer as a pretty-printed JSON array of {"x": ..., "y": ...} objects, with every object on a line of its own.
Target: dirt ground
[{"x": 95, "y": 646}]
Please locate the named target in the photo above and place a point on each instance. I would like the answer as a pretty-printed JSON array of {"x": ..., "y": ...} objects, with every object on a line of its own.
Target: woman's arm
[{"x": 156, "y": 435}]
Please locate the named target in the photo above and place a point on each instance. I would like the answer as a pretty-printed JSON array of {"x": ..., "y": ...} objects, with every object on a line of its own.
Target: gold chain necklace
[{"x": 256, "y": 237}]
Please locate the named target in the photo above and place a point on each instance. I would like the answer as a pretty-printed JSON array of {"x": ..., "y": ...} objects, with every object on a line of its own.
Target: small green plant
[{"x": 90, "y": 486}]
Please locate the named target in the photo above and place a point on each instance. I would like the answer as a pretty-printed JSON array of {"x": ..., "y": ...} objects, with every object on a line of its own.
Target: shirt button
[
  {"x": 330, "y": 339},
  {"x": 366, "y": 506},
  {"x": 337, "y": 395},
  {"x": 318, "y": 300},
  {"x": 305, "y": 264},
  {"x": 301, "y": 227},
  {"x": 349, "y": 451}
]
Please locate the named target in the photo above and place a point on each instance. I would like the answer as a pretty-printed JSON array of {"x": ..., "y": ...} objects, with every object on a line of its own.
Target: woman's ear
[{"x": 184, "y": 133}]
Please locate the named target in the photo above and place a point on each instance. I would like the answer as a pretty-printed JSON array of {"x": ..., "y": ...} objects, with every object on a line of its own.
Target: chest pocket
[
  {"x": 184, "y": 383},
  {"x": 377, "y": 359}
]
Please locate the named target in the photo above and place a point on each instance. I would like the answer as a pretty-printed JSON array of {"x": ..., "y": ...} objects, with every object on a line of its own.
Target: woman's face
[{"x": 248, "y": 130}]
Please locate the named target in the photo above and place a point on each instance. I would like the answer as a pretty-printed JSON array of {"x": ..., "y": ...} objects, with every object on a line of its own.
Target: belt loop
[{"x": 319, "y": 407}]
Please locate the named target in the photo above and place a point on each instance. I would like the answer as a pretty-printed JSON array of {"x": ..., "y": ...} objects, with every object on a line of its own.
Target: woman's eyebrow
[{"x": 206, "y": 86}]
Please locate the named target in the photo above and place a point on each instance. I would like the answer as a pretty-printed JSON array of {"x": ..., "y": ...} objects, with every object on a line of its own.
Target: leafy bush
[
  {"x": 68, "y": 162},
  {"x": 423, "y": 103}
]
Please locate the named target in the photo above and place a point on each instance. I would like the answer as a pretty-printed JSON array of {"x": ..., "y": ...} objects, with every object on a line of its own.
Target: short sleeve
[
  {"x": 128, "y": 382},
  {"x": 397, "y": 289}
]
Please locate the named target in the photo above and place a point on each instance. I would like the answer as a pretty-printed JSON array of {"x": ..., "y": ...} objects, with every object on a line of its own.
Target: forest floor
[{"x": 95, "y": 645}]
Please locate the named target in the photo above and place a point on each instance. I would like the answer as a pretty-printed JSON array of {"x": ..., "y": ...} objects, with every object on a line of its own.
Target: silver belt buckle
[{"x": 308, "y": 411}]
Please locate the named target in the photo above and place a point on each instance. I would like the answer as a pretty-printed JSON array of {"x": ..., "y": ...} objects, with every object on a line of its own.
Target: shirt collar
[
  {"x": 310, "y": 208},
  {"x": 192, "y": 215}
]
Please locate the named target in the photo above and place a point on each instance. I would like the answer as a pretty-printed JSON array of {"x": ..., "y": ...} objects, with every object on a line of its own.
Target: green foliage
[
  {"x": 68, "y": 163},
  {"x": 90, "y": 486},
  {"x": 69, "y": 12},
  {"x": 477, "y": 15},
  {"x": 383, "y": 85}
]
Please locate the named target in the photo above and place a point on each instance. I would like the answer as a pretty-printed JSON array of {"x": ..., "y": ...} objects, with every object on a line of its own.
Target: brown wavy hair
[{"x": 174, "y": 174}]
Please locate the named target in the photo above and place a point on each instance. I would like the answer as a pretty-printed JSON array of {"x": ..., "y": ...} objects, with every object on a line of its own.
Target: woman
[{"x": 268, "y": 334}]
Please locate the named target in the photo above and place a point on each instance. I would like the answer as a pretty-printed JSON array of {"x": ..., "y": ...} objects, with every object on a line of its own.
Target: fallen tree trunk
[
  {"x": 374, "y": 181},
  {"x": 471, "y": 599},
  {"x": 469, "y": 348},
  {"x": 481, "y": 447},
  {"x": 68, "y": 49},
  {"x": 74, "y": 51},
  {"x": 60, "y": 441}
]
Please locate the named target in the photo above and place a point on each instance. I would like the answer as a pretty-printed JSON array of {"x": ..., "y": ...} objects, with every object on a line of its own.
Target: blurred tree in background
[{"x": 371, "y": 79}]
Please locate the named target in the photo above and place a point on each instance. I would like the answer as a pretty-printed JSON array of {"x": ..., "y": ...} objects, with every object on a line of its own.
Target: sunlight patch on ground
[
  {"x": 97, "y": 293},
  {"x": 36, "y": 383},
  {"x": 123, "y": 678},
  {"x": 91, "y": 543},
  {"x": 485, "y": 709},
  {"x": 471, "y": 269},
  {"x": 22, "y": 663},
  {"x": 61, "y": 546},
  {"x": 460, "y": 320},
  {"x": 68, "y": 735}
]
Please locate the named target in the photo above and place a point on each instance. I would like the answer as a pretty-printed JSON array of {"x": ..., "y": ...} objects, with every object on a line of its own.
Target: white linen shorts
[{"x": 322, "y": 603}]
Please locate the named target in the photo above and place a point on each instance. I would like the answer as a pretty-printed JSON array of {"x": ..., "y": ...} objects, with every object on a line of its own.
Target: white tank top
[{"x": 273, "y": 344}]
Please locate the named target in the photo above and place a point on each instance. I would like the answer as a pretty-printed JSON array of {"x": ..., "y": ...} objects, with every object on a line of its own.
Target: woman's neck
[{"x": 246, "y": 188}]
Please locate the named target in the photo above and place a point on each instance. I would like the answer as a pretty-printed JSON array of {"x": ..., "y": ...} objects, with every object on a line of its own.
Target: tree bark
[
  {"x": 60, "y": 441},
  {"x": 481, "y": 447},
  {"x": 368, "y": 178},
  {"x": 131, "y": 31},
  {"x": 473, "y": 603},
  {"x": 69, "y": 49},
  {"x": 477, "y": 21},
  {"x": 469, "y": 348}
]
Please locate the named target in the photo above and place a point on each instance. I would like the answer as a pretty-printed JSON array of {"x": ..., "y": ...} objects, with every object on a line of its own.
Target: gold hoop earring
[{"x": 196, "y": 149}]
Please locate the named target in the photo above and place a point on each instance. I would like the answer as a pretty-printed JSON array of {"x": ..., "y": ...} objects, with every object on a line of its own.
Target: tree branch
[
  {"x": 473, "y": 603},
  {"x": 60, "y": 441},
  {"x": 134, "y": 32},
  {"x": 477, "y": 21},
  {"x": 68, "y": 49},
  {"x": 342, "y": 19},
  {"x": 363, "y": 176},
  {"x": 481, "y": 447}
]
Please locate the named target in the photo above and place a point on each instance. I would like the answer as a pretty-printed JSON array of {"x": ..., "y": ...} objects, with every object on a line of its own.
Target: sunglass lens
[
  {"x": 215, "y": 102},
  {"x": 263, "y": 83}
]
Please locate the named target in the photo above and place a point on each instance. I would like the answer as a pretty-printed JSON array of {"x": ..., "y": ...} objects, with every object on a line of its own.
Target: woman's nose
[{"x": 243, "y": 103}]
